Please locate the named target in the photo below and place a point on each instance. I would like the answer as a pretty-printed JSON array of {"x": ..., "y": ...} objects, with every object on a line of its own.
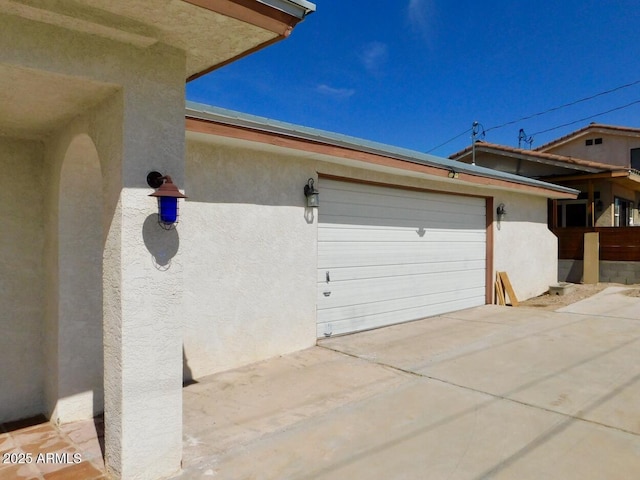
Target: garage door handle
[{"x": 328, "y": 277}]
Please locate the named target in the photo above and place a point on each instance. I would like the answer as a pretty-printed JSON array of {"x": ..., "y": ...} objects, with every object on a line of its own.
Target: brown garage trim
[
  {"x": 210, "y": 127},
  {"x": 489, "y": 254}
]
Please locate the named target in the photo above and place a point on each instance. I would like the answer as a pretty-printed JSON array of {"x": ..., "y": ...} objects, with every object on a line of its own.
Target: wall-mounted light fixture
[
  {"x": 501, "y": 211},
  {"x": 453, "y": 174},
  {"x": 313, "y": 195},
  {"x": 167, "y": 194}
]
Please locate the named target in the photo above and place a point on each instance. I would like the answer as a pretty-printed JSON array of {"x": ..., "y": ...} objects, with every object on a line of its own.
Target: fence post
[{"x": 591, "y": 263}]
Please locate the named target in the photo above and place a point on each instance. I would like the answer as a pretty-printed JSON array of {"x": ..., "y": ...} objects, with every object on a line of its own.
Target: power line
[
  {"x": 553, "y": 109},
  {"x": 449, "y": 141},
  {"x": 591, "y": 97},
  {"x": 586, "y": 118}
]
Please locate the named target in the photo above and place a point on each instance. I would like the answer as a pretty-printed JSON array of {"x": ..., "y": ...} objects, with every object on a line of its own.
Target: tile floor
[{"x": 37, "y": 449}]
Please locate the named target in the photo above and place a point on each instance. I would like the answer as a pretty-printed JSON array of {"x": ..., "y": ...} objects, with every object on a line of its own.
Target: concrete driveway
[{"x": 491, "y": 392}]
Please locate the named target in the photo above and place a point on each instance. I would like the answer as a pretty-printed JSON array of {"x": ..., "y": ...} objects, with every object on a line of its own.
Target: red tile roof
[
  {"x": 598, "y": 127},
  {"x": 493, "y": 147}
]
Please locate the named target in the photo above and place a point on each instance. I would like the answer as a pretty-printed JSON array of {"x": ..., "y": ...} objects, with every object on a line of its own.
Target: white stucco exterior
[
  {"x": 22, "y": 297},
  {"x": 524, "y": 247},
  {"x": 96, "y": 276},
  {"x": 105, "y": 310},
  {"x": 251, "y": 247}
]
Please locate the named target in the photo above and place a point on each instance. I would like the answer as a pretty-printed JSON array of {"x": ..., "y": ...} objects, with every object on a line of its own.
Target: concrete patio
[{"x": 490, "y": 392}]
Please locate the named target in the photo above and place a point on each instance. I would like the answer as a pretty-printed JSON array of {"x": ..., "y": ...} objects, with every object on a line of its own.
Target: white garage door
[{"x": 388, "y": 255}]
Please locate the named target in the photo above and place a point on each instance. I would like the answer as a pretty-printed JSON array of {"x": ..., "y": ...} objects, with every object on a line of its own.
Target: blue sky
[{"x": 415, "y": 73}]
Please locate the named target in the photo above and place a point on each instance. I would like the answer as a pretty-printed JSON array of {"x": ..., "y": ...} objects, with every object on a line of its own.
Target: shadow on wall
[
  {"x": 187, "y": 374},
  {"x": 223, "y": 175},
  {"x": 162, "y": 244}
]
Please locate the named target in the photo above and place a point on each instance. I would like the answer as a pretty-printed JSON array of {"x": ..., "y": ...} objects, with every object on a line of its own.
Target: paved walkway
[{"x": 486, "y": 393}]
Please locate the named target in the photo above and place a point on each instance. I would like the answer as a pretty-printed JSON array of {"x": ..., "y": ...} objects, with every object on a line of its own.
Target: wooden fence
[{"x": 616, "y": 243}]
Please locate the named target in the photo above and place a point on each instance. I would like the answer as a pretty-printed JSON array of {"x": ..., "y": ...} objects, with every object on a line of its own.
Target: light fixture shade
[{"x": 167, "y": 194}]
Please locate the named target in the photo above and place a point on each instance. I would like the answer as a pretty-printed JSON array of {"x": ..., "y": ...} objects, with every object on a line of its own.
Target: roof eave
[
  {"x": 250, "y": 122},
  {"x": 298, "y": 8}
]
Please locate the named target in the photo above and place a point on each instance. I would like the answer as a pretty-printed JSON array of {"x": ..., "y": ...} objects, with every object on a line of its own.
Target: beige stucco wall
[
  {"x": 82, "y": 164},
  {"x": 21, "y": 279},
  {"x": 250, "y": 249},
  {"x": 614, "y": 149}
]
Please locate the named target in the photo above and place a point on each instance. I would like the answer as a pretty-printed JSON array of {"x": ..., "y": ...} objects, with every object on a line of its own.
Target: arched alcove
[{"x": 80, "y": 311}]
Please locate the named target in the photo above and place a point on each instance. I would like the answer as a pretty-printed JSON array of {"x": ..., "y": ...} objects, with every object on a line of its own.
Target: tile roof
[
  {"x": 599, "y": 127},
  {"x": 542, "y": 156}
]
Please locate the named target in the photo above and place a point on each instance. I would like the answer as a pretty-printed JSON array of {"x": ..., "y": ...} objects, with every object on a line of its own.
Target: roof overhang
[
  {"x": 591, "y": 129},
  {"x": 627, "y": 178},
  {"x": 203, "y": 121},
  {"x": 212, "y": 33},
  {"x": 567, "y": 163}
]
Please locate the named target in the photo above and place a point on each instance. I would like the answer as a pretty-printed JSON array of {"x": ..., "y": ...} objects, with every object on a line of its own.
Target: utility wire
[
  {"x": 585, "y": 118},
  {"x": 450, "y": 140},
  {"x": 591, "y": 97}
]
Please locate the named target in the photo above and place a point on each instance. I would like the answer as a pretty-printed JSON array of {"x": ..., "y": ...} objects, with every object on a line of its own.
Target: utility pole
[
  {"x": 474, "y": 134},
  {"x": 522, "y": 137}
]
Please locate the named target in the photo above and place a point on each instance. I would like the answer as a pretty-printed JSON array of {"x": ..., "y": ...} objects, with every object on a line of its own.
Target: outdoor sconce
[
  {"x": 313, "y": 195},
  {"x": 168, "y": 195},
  {"x": 453, "y": 174},
  {"x": 501, "y": 211}
]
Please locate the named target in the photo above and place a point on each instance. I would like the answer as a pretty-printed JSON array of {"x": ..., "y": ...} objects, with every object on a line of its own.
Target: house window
[
  {"x": 588, "y": 142},
  {"x": 572, "y": 213},
  {"x": 597, "y": 141},
  {"x": 622, "y": 212},
  {"x": 593, "y": 141},
  {"x": 635, "y": 158}
]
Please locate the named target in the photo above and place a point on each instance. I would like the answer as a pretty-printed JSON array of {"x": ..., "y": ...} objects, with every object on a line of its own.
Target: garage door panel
[
  {"x": 353, "y": 254},
  {"x": 399, "y": 234},
  {"x": 382, "y": 289},
  {"x": 383, "y": 271},
  {"x": 395, "y": 255},
  {"x": 401, "y": 217},
  {"x": 364, "y": 318},
  {"x": 355, "y": 194}
]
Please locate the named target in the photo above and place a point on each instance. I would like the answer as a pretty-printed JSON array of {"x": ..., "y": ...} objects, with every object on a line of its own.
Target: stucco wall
[
  {"x": 524, "y": 247},
  {"x": 21, "y": 279},
  {"x": 249, "y": 258},
  {"x": 614, "y": 149},
  {"x": 250, "y": 249},
  {"x": 138, "y": 129}
]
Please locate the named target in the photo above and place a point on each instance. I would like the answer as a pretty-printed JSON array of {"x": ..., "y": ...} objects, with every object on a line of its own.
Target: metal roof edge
[
  {"x": 239, "y": 119},
  {"x": 297, "y": 8}
]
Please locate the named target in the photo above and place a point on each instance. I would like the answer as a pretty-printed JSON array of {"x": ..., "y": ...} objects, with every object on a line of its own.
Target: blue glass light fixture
[{"x": 167, "y": 194}]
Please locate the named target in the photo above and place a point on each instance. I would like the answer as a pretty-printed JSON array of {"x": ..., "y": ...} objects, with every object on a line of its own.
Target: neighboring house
[
  {"x": 615, "y": 191},
  {"x": 602, "y": 162},
  {"x": 105, "y": 310}
]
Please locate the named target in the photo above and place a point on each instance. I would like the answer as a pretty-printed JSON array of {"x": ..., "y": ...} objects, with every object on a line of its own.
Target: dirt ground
[{"x": 577, "y": 293}]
